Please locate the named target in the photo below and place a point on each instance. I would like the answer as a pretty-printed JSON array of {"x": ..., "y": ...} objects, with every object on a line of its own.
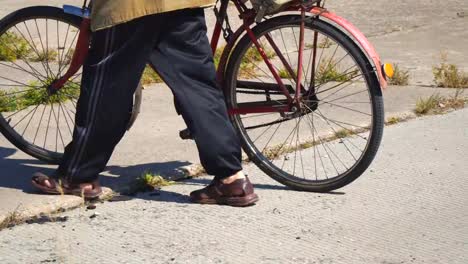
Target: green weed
[
  {"x": 436, "y": 104},
  {"x": 325, "y": 43},
  {"x": 13, "y": 47},
  {"x": 328, "y": 71},
  {"x": 36, "y": 94},
  {"x": 283, "y": 73},
  {"x": 148, "y": 182},
  {"x": 400, "y": 77},
  {"x": 394, "y": 120},
  {"x": 150, "y": 76},
  {"x": 43, "y": 56},
  {"x": 449, "y": 75},
  {"x": 343, "y": 133}
]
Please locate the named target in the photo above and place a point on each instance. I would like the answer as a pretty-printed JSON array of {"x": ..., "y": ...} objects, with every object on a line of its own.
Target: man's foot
[
  {"x": 51, "y": 186},
  {"x": 233, "y": 191}
]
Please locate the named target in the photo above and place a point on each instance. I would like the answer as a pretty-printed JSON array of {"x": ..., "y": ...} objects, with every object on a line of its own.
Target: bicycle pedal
[{"x": 185, "y": 134}]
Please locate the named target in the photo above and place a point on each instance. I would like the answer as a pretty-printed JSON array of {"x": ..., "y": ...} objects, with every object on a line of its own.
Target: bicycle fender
[
  {"x": 76, "y": 11},
  {"x": 224, "y": 60},
  {"x": 358, "y": 36}
]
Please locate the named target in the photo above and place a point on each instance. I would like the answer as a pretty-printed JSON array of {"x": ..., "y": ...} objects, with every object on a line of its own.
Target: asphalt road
[{"x": 409, "y": 207}]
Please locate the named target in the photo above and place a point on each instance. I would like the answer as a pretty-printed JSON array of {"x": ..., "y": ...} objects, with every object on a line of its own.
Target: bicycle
[{"x": 280, "y": 73}]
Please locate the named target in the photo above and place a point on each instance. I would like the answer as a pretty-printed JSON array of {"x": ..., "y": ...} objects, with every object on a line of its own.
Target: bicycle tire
[
  {"x": 35, "y": 12},
  {"x": 374, "y": 88},
  {"x": 51, "y": 13}
]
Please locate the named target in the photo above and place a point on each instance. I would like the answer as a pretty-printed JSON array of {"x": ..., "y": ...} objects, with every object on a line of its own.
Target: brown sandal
[
  {"x": 239, "y": 193},
  {"x": 39, "y": 179}
]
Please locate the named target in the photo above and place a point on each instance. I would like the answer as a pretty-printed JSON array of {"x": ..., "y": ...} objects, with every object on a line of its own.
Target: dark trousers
[{"x": 177, "y": 43}]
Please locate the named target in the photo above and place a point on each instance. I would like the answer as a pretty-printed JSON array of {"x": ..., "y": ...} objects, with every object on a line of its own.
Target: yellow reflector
[{"x": 388, "y": 70}]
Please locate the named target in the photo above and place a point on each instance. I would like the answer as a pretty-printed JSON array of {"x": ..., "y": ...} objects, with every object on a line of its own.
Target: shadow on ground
[{"x": 16, "y": 173}]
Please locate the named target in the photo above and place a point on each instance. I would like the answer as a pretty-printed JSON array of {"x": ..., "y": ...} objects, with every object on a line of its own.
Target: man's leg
[
  {"x": 184, "y": 60},
  {"x": 111, "y": 74}
]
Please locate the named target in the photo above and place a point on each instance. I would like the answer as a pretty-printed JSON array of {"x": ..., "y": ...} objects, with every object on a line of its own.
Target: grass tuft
[
  {"x": 283, "y": 73},
  {"x": 13, "y": 47},
  {"x": 449, "y": 75},
  {"x": 394, "y": 120},
  {"x": 13, "y": 100},
  {"x": 426, "y": 105},
  {"x": 436, "y": 104},
  {"x": 67, "y": 58},
  {"x": 43, "y": 56},
  {"x": 12, "y": 219},
  {"x": 325, "y": 43},
  {"x": 278, "y": 150},
  {"x": 148, "y": 182},
  {"x": 150, "y": 76},
  {"x": 400, "y": 77},
  {"x": 343, "y": 133},
  {"x": 328, "y": 71},
  {"x": 251, "y": 57}
]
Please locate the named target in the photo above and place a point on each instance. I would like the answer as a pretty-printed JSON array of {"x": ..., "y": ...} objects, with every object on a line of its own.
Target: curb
[{"x": 56, "y": 204}]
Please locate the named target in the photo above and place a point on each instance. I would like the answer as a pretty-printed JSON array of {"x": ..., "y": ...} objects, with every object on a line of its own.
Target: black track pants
[{"x": 177, "y": 43}]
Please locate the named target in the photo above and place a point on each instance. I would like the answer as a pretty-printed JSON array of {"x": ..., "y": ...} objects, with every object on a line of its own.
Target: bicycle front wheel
[
  {"x": 36, "y": 47},
  {"x": 332, "y": 138}
]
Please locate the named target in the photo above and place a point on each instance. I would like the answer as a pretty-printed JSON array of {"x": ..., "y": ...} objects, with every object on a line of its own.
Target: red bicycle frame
[{"x": 248, "y": 17}]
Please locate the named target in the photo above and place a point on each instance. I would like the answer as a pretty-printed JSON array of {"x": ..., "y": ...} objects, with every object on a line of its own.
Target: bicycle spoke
[
  {"x": 349, "y": 95},
  {"x": 315, "y": 149},
  {"x": 33, "y": 47},
  {"x": 324, "y": 145},
  {"x": 58, "y": 132},
  {"x": 347, "y": 108},
  {"x": 39, "y": 125},
  {"x": 281, "y": 146},
  {"x": 20, "y": 83},
  {"x": 298, "y": 141},
  {"x": 37, "y": 52},
  {"x": 318, "y": 152},
  {"x": 336, "y": 86},
  {"x": 37, "y": 74},
  {"x": 343, "y": 140},
  {"x": 21, "y": 69},
  {"x": 299, "y": 62},
  {"x": 268, "y": 127},
  {"x": 48, "y": 125},
  {"x": 68, "y": 53},
  {"x": 29, "y": 122},
  {"x": 289, "y": 145},
  {"x": 65, "y": 117},
  {"x": 259, "y": 115},
  {"x": 321, "y": 140},
  {"x": 17, "y": 92},
  {"x": 24, "y": 117},
  {"x": 343, "y": 127},
  {"x": 271, "y": 137},
  {"x": 46, "y": 55},
  {"x": 285, "y": 48}
]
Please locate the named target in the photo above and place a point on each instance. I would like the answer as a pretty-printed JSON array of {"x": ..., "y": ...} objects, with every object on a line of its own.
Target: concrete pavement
[
  {"x": 156, "y": 129},
  {"x": 410, "y": 207},
  {"x": 410, "y": 33}
]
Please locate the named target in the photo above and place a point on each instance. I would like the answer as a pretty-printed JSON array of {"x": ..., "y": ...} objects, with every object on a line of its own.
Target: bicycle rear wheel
[
  {"x": 332, "y": 138},
  {"x": 36, "y": 47}
]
